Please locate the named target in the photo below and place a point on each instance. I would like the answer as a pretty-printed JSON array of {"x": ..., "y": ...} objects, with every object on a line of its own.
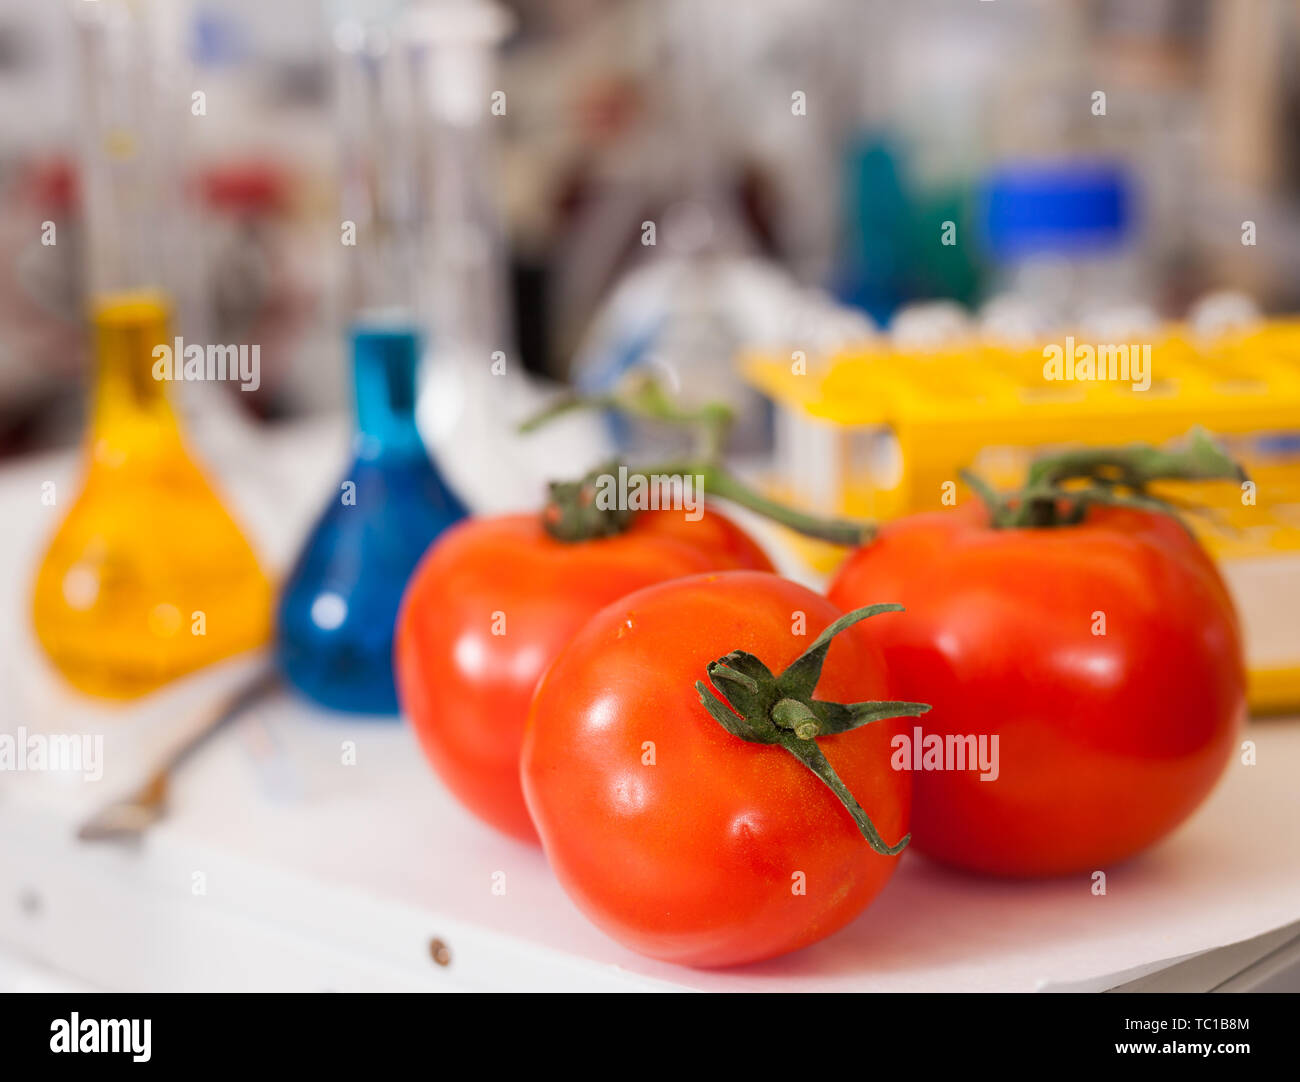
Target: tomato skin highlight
[
  {"x": 490, "y": 606},
  {"x": 1106, "y": 741},
  {"x": 693, "y": 857}
]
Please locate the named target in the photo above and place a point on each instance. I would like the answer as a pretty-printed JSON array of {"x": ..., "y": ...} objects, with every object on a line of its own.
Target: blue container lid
[{"x": 1060, "y": 207}]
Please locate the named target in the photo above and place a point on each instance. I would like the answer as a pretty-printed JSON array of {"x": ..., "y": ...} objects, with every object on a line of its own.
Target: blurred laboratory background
[{"x": 814, "y": 150}]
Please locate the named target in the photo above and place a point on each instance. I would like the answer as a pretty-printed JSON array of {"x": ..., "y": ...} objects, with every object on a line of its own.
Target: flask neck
[
  {"x": 128, "y": 401},
  {"x": 385, "y": 364}
]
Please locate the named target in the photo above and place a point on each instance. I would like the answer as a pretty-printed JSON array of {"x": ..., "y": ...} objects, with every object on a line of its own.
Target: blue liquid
[{"x": 337, "y": 613}]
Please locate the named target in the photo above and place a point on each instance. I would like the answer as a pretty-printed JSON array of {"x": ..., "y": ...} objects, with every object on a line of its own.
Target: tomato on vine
[
  {"x": 697, "y": 806},
  {"x": 1088, "y": 631},
  {"x": 489, "y": 608},
  {"x": 495, "y": 599}
]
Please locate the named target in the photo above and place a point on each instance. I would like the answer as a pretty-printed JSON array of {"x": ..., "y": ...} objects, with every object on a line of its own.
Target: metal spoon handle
[{"x": 130, "y": 816}]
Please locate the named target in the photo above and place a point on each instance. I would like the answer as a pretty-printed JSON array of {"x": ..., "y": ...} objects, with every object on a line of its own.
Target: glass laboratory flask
[
  {"x": 148, "y": 577},
  {"x": 339, "y": 607}
]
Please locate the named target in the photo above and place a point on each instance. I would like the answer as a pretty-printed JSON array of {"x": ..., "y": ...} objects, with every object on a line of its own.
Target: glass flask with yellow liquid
[{"x": 148, "y": 577}]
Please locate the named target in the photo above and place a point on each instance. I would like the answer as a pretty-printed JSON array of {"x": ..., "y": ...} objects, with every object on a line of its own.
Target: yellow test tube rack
[{"x": 877, "y": 432}]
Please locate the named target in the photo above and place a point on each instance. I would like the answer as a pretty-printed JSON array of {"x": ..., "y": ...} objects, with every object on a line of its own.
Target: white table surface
[{"x": 321, "y": 876}]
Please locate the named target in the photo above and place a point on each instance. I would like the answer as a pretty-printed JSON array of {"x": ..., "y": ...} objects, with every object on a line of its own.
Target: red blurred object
[
  {"x": 245, "y": 187},
  {"x": 52, "y": 184}
]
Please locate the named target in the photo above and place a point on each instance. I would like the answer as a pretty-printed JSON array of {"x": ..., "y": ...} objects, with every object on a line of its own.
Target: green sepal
[
  {"x": 802, "y": 674},
  {"x": 808, "y": 753},
  {"x": 753, "y": 705},
  {"x": 728, "y": 718}
]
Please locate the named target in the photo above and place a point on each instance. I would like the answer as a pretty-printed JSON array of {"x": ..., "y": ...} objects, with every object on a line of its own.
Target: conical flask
[
  {"x": 148, "y": 576},
  {"x": 339, "y": 606},
  {"x": 338, "y": 611}
]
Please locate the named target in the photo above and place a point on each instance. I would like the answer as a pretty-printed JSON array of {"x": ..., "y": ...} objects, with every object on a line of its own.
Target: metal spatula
[{"x": 130, "y": 816}]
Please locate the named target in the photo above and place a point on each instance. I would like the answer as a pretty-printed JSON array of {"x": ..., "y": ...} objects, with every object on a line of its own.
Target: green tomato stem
[
  {"x": 570, "y": 514},
  {"x": 754, "y": 705},
  {"x": 1060, "y": 487}
]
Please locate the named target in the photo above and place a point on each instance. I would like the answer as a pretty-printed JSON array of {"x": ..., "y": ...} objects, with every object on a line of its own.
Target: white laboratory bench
[{"x": 319, "y": 876}]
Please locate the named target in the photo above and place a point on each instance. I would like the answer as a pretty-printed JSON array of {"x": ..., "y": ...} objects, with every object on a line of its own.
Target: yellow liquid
[{"x": 148, "y": 577}]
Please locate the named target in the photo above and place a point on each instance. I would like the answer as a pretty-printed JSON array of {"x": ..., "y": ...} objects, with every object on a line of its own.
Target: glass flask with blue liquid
[
  {"x": 339, "y": 607},
  {"x": 338, "y": 610}
]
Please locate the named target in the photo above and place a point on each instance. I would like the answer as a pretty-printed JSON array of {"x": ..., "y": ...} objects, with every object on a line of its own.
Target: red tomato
[
  {"x": 488, "y": 609},
  {"x": 678, "y": 839},
  {"x": 1106, "y": 741}
]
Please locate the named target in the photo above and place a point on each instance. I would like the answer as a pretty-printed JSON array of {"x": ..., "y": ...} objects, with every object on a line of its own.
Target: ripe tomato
[
  {"x": 683, "y": 841},
  {"x": 490, "y": 606},
  {"x": 1105, "y": 657}
]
